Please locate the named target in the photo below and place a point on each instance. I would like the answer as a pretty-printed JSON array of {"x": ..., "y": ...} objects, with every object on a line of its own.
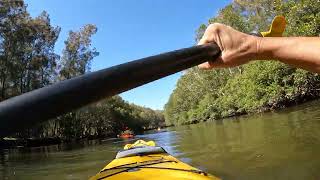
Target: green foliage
[
  {"x": 255, "y": 87},
  {"x": 77, "y": 55},
  {"x": 27, "y": 58},
  {"x": 106, "y": 118}
]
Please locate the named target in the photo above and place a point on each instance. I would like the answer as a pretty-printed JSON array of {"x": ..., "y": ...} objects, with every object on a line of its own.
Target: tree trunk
[{"x": 3, "y": 88}]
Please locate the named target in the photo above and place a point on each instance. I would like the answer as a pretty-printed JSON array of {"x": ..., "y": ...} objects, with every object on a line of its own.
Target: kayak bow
[{"x": 145, "y": 160}]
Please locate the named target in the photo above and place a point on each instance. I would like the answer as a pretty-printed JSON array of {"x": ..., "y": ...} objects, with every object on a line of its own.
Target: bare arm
[
  {"x": 302, "y": 52},
  {"x": 239, "y": 48}
]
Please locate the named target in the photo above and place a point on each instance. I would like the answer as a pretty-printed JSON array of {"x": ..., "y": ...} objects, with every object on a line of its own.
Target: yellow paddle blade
[
  {"x": 139, "y": 143},
  {"x": 277, "y": 27}
]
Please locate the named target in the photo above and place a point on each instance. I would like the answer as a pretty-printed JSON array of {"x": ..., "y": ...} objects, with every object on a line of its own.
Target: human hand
[{"x": 236, "y": 47}]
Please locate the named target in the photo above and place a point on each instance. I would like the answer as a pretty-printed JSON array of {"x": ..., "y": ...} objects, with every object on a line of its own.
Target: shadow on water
[{"x": 278, "y": 145}]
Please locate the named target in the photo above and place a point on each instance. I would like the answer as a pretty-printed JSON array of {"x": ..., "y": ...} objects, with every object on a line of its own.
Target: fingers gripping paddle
[{"x": 42, "y": 104}]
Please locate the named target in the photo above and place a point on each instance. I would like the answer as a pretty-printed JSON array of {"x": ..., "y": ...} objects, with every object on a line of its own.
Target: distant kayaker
[{"x": 239, "y": 48}]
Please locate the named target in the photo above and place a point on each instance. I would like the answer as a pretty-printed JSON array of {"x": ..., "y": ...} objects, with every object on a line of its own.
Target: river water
[{"x": 277, "y": 145}]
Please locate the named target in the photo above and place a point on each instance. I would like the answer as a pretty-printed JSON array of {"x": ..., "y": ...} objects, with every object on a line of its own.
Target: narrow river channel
[{"x": 277, "y": 145}]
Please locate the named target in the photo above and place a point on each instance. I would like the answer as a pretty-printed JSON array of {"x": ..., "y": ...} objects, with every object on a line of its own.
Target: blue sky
[{"x": 132, "y": 29}]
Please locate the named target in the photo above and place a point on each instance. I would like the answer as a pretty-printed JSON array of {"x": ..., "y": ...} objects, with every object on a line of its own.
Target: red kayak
[{"x": 126, "y": 136}]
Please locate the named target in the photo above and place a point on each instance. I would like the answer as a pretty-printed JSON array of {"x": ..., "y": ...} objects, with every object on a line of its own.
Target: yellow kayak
[{"x": 145, "y": 160}]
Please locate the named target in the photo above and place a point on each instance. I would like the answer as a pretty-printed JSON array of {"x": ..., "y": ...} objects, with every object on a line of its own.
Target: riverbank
[
  {"x": 254, "y": 90},
  {"x": 11, "y": 142},
  {"x": 271, "y": 107},
  {"x": 28, "y": 142}
]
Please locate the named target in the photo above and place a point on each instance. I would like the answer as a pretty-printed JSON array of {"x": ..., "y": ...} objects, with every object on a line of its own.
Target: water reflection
[
  {"x": 282, "y": 145},
  {"x": 278, "y": 145}
]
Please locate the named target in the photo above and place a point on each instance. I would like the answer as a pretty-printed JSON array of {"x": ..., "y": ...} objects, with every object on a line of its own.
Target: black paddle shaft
[{"x": 48, "y": 102}]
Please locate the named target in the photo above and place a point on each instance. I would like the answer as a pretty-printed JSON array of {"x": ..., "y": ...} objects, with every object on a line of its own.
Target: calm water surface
[{"x": 278, "y": 145}]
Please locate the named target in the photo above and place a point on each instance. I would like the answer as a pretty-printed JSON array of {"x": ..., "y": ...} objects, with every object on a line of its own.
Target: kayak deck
[
  {"x": 145, "y": 160},
  {"x": 155, "y": 166}
]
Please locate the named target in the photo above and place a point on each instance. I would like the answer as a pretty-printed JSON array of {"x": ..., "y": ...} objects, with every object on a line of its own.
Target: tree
[
  {"x": 77, "y": 55},
  {"x": 27, "y": 53}
]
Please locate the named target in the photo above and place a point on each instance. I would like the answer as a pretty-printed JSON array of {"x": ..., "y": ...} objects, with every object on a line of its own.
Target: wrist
[
  {"x": 266, "y": 48},
  {"x": 254, "y": 47}
]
